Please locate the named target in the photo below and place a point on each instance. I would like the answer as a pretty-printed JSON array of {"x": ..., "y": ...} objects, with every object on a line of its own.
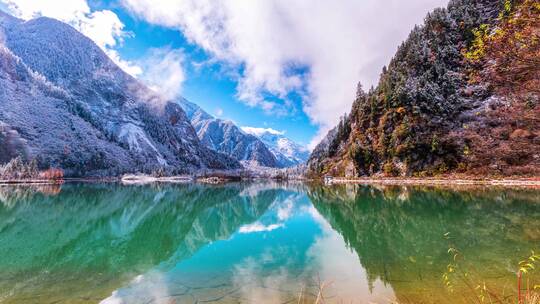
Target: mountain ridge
[
  {"x": 264, "y": 148},
  {"x": 106, "y": 122},
  {"x": 287, "y": 152},
  {"x": 224, "y": 136}
]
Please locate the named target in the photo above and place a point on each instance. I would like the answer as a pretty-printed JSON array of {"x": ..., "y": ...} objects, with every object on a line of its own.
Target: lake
[{"x": 264, "y": 243}]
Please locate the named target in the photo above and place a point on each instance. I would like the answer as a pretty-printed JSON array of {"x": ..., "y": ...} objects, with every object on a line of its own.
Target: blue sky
[{"x": 289, "y": 65}]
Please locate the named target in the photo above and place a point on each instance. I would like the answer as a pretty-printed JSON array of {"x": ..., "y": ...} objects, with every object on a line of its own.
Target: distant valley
[{"x": 263, "y": 147}]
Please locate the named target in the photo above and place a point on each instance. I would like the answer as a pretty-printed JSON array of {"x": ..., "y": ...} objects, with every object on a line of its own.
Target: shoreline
[
  {"x": 29, "y": 182},
  {"x": 461, "y": 181},
  {"x": 15, "y": 182},
  {"x": 507, "y": 182}
]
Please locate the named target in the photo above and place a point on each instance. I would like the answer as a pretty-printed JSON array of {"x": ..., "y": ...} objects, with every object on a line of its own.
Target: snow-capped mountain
[
  {"x": 225, "y": 137},
  {"x": 287, "y": 152},
  {"x": 76, "y": 109}
]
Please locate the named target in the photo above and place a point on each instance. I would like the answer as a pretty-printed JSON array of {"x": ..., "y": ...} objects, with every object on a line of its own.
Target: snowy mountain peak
[
  {"x": 287, "y": 152},
  {"x": 262, "y": 131},
  {"x": 193, "y": 111},
  {"x": 225, "y": 137},
  {"x": 265, "y": 146}
]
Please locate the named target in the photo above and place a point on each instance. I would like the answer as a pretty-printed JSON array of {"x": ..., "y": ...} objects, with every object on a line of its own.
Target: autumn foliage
[
  {"x": 52, "y": 174},
  {"x": 18, "y": 169},
  {"x": 505, "y": 138},
  {"x": 510, "y": 52}
]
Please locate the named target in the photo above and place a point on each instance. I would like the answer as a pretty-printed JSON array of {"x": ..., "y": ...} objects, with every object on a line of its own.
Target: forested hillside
[{"x": 460, "y": 96}]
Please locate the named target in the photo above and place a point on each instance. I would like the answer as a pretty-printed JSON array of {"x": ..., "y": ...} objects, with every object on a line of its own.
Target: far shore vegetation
[{"x": 18, "y": 170}]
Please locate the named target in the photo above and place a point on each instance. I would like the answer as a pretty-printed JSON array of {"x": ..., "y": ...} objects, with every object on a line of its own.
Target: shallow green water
[{"x": 262, "y": 243}]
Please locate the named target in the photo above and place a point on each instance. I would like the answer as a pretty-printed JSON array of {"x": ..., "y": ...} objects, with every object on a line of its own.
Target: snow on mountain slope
[
  {"x": 41, "y": 114},
  {"x": 78, "y": 110},
  {"x": 224, "y": 136},
  {"x": 287, "y": 152}
]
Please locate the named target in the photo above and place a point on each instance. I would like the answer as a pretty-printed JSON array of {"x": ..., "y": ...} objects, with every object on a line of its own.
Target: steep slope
[
  {"x": 41, "y": 113},
  {"x": 287, "y": 152},
  {"x": 225, "y": 137},
  {"x": 429, "y": 116},
  {"x": 78, "y": 110}
]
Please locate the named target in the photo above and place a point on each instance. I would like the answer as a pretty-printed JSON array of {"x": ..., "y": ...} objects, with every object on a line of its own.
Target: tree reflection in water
[
  {"x": 399, "y": 233},
  {"x": 263, "y": 243}
]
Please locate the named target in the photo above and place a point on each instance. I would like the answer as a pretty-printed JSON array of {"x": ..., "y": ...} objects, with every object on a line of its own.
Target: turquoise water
[{"x": 263, "y": 243}]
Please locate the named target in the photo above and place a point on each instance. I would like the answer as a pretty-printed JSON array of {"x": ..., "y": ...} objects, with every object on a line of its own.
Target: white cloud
[
  {"x": 151, "y": 287},
  {"x": 128, "y": 66},
  {"x": 163, "y": 71},
  {"x": 219, "y": 112},
  {"x": 103, "y": 27},
  {"x": 258, "y": 227},
  {"x": 61, "y": 10},
  {"x": 261, "y": 131},
  {"x": 284, "y": 212},
  {"x": 338, "y": 42}
]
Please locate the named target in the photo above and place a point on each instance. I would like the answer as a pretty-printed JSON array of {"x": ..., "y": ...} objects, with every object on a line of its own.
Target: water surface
[{"x": 263, "y": 243}]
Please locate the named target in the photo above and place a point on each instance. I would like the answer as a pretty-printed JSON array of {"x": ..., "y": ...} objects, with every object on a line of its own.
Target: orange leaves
[
  {"x": 52, "y": 174},
  {"x": 511, "y": 52}
]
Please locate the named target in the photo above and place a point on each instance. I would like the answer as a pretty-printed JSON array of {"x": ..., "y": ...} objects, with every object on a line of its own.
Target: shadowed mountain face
[
  {"x": 402, "y": 237},
  {"x": 78, "y": 110},
  {"x": 94, "y": 239}
]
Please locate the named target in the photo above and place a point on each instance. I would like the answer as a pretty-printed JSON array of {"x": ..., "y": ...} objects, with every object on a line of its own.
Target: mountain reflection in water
[{"x": 260, "y": 243}]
